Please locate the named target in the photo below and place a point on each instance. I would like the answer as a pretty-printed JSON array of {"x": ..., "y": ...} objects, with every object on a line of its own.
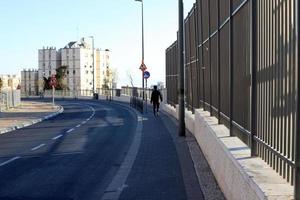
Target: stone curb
[{"x": 31, "y": 122}]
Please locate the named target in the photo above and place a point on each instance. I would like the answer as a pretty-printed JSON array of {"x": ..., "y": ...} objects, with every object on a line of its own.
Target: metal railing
[{"x": 241, "y": 65}]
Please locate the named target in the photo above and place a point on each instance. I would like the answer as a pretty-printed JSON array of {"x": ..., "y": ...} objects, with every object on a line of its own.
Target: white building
[
  {"x": 10, "y": 81},
  {"x": 79, "y": 59},
  {"x": 29, "y": 82}
]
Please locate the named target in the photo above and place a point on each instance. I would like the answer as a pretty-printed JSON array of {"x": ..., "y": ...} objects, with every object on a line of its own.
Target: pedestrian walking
[{"x": 155, "y": 97}]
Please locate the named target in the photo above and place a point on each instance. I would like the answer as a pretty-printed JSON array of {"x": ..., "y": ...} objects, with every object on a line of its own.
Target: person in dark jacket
[{"x": 155, "y": 97}]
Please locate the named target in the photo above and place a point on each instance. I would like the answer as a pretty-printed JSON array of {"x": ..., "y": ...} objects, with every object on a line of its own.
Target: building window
[
  {"x": 91, "y": 66},
  {"x": 86, "y": 71},
  {"x": 73, "y": 71},
  {"x": 67, "y": 71}
]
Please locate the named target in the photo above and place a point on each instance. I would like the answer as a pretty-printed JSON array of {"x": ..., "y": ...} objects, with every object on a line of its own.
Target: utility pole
[{"x": 181, "y": 116}]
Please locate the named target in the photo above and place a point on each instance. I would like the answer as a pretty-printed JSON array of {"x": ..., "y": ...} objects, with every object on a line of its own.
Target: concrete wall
[{"x": 240, "y": 176}]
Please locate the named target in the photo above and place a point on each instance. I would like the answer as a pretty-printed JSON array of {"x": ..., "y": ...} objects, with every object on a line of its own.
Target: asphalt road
[
  {"x": 97, "y": 150},
  {"x": 72, "y": 156}
]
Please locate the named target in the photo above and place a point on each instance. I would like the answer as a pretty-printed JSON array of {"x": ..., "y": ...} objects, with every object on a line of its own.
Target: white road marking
[
  {"x": 37, "y": 147},
  {"x": 78, "y": 126},
  {"x": 10, "y": 160},
  {"x": 70, "y": 130},
  {"x": 55, "y": 138}
]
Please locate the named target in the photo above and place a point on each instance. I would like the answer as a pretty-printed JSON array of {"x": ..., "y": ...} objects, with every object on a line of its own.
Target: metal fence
[{"x": 241, "y": 65}]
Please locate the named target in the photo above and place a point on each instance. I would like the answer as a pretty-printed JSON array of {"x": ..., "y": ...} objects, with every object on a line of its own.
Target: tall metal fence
[{"x": 241, "y": 65}]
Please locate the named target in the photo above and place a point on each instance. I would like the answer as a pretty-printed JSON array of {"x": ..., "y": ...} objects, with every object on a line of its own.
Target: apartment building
[
  {"x": 10, "y": 81},
  {"x": 79, "y": 59},
  {"x": 29, "y": 82}
]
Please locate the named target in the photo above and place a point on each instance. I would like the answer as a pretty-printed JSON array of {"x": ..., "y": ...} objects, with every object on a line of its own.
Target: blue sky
[{"x": 29, "y": 25}]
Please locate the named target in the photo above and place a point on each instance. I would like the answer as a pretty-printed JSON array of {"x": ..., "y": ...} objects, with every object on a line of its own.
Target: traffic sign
[
  {"x": 53, "y": 81},
  {"x": 146, "y": 74},
  {"x": 143, "y": 67}
]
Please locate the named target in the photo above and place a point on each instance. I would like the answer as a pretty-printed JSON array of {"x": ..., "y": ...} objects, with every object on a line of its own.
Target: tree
[
  {"x": 1, "y": 84},
  {"x": 60, "y": 78},
  {"x": 130, "y": 78}
]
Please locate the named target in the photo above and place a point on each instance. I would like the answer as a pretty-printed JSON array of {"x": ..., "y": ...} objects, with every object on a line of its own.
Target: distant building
[
  {"x": 78, "y": 58},
  {"x": 10, "y": 81},
  {"x": 29, "y": 82}
]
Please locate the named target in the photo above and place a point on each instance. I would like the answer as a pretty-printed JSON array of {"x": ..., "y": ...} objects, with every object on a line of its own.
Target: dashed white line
[
  {"x": 37, "y": 147},
  {"x": 9, "y": 161},
  {"x": 70, "y": 130},
  {"x": 78, "y": 125},
  {"x": 56, "y": 137}
]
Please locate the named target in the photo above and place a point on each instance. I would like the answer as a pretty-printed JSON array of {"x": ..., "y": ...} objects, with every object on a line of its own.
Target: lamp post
[
  {"x": 181, "y": 118},
  {"x": 142, "y": 46},
  {"x": 93, "y": 63}
]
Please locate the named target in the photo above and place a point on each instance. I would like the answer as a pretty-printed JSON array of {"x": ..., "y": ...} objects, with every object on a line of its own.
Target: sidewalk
[
  {"x": 166, "y": 166},
  {"x": 27, "y": 114}
]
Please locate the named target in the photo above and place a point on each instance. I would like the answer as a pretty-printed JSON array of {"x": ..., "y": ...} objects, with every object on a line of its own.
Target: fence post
[
  {"x": 230, "y": 69},
  {"x": 297, "y": 134},
  {"x": 253, "y": 63},
  {"x": 219, "y": 67},
  {"x": 202, "y": 63},
  {"x": 209, "y": 58}
]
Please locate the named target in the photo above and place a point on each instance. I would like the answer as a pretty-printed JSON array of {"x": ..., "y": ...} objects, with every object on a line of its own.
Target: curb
[{"x": 34, "y": 121}]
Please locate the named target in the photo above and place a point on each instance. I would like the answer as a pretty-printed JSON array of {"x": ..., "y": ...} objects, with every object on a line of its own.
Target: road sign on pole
[
  {"x": 53, "y": 83},
  {"x": 146, "y": 74},
  {"x": 143, "y": 67}
]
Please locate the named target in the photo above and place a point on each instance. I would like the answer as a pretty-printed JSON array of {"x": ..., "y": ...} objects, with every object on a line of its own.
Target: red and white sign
[
  {"x": 143, "y": 67},
  {"x": 53, "y": 81}
]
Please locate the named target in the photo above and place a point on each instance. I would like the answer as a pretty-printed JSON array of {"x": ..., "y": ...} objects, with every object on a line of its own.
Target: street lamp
[
  {"x": 93, "y": 64},
  {"x": 181, "y": 120},
  {"x": 142, "y": 45}
]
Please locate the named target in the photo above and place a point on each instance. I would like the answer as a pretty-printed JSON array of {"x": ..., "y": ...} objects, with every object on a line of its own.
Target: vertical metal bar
[
  {"x": 294, "y": 76},
  {"x": 258, "y": 75},
  {"x": 219, "y": 68},
  {"x": 181, "y": 129},
  {"x": 230, "y": 68},
  {"x": 288, "y": 95},
  {"x": 202, "y": 60},
  {"x": 263, "y": 78},
  {"x": 277, "y": 81},
  {"x": 297, "y": 135},
  {"x": 209, "y": 58},
  {"x": 284, "y": 95},
  {"x": 269, "y": 79},
  {"x": 253, "y": 61},
  {"x": 281, "y": 84},
  {"x": 197, "y": 55},
  {"x": 272, "y": 81}
]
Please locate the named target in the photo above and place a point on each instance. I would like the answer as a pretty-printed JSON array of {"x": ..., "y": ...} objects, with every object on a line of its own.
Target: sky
[{"x": 29, "y": 25}]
